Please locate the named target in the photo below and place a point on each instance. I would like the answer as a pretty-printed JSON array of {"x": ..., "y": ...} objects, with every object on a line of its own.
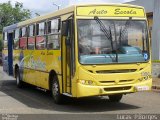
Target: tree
[
  {"x": 12, "y": 14},
  {"x": 0, "y": 42}
]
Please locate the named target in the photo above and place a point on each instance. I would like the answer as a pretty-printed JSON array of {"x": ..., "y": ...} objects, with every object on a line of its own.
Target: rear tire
[
  {"x": 55, "y": 90},
  {"x": 19, "y": 81},
  {"x": 115, "y": 98}
]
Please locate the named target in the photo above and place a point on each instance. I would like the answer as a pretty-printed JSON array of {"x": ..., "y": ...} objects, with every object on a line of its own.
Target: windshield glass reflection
[{"x": 110, "y": 41}]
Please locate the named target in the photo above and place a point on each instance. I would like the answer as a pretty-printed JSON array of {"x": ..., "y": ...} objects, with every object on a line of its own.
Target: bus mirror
[{"x": 65, "y": 26}]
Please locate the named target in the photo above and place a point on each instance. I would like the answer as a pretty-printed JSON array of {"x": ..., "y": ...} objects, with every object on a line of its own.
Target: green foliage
[
  {"x": 0, "y": 42},
  {"x": 12, "y": 14}
]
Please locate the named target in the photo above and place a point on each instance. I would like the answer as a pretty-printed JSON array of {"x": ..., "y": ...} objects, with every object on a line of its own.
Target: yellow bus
[{"x": 81, "y": 51}]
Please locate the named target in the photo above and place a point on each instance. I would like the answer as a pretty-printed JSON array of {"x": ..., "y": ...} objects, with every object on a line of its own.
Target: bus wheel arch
[
  {"x": 54, "y": 87},
  {"x": 52, "y": 73}
]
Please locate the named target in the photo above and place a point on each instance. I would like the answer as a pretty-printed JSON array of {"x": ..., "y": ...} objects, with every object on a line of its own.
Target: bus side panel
[
  {"x": 28, "y": 66},
  {"x": 47, "y": 61},
  {"x": 16, "y": 54},
  {"x": 37, "y": 64}
]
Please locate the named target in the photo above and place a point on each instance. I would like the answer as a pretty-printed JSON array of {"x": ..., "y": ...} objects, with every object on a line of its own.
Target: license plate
[{"x": 142, "y": 88}]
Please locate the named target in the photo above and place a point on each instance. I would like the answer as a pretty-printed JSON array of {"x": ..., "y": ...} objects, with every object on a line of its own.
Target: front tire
[
  {"x": 19, "y": 81},
  {"x": 115, "y": 98},
  {"x": 55, "y": 90}
]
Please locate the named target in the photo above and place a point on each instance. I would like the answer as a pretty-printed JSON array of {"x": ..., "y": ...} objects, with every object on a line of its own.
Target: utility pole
[{"x": 58, "y": 6}]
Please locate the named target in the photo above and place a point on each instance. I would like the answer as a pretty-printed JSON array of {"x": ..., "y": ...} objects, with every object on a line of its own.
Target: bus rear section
[
  {"x": 113, "y": 51},
  {"x": 7, "y": 52}
]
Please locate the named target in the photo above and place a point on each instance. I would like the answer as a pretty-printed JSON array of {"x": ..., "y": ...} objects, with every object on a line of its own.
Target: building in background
[{"x": 152, "y": 8}]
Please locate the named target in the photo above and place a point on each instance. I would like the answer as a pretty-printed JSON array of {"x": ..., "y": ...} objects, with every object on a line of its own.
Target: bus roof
[
  {"x": 61, "y": 12},
  {"x": 10, "y": 28},
  {"x": 47, "y": 16}
]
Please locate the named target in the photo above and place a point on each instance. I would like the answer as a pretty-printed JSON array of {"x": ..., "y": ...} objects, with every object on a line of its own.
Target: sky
[{"x": 46, "y": 6}]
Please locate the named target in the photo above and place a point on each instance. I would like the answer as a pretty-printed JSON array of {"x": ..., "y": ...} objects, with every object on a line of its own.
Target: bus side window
[
  {"x": 40, "y": 38},
  {"x": 49, "y": 27},
  {"x": 23, "y": 38},
  {"x": 5, "y": 47},
  {"x": 31, "y": 37},
  {"x": 16, "y": 39},
  {"x": 53, "y": 34}
]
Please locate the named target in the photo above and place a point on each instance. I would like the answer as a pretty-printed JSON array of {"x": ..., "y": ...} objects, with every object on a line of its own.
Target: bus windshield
[{"x": 112, "y": 41}]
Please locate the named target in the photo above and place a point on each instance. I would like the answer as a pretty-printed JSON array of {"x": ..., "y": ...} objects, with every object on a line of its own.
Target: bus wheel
[
  {"x": 19, "y": 81},
  {"x": 115, "y": 98},
  {"x": 55, "y": 90}
]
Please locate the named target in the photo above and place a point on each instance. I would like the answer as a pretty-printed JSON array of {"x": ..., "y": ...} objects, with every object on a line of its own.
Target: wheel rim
[{"x": 55, "y": 89}]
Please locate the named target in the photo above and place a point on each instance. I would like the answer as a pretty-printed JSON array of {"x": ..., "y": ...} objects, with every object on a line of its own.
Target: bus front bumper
[{"x": 88, "y": 90}]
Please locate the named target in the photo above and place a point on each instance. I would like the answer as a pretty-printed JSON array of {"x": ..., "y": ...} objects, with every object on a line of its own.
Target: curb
[{"x": 156, "y": 87}]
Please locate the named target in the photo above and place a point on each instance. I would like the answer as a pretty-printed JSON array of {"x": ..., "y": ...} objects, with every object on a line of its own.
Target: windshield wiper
[
  {"x": 120, "y": 37},
  {"x": 108, "y": 34},
  {"x": 143, "y": 39},
  {"x": 124, "y": 30},
  {"x": 115, "y": 41}
]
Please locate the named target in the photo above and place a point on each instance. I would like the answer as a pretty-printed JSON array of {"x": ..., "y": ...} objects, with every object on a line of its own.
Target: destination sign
[{"x": 115, "y": 11}]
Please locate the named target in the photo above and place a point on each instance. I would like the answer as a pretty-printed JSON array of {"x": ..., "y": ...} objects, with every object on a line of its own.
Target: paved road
[{"x": 30, "y": 100}]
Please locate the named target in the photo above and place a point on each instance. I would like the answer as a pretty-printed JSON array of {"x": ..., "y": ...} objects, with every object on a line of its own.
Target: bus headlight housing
[
  {"x": 145, "y": 76},
  {"x": 86, "y": 82}
]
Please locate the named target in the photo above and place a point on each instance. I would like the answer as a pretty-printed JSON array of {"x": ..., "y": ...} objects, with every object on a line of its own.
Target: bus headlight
[
  {"x": 82, "y": 81},
  {"x": 87, "y": 82}
]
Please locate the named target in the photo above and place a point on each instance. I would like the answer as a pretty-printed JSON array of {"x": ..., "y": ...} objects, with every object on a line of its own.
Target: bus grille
[
  {"x": 116, "y": 71},
  {"x": 117, "y": 88},
  {"x": 111, "y": 82}
]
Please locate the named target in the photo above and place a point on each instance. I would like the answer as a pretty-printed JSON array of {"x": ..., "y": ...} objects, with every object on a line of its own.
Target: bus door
[
  {"x": 67, "y": 54},
  {"x": 10, "y": 53}
]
